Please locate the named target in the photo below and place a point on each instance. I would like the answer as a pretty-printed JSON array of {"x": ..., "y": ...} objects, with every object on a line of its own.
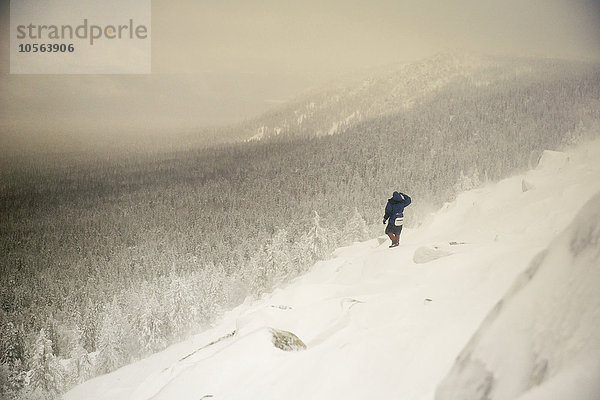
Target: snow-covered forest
[{"x": 107, "y": 260}]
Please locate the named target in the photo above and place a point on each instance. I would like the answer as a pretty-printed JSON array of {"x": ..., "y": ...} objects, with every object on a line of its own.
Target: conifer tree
[
  {"x": 46, "y": 372},
  {"x": 321, "y": 240},
  {"x": 356, "y": 228},
  {"x": 112, "y": 340},
  {"x": 278, "y": 258}
]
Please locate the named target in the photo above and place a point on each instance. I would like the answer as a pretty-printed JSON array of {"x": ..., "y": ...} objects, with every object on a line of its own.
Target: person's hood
[{"x": 397, "y": 197}]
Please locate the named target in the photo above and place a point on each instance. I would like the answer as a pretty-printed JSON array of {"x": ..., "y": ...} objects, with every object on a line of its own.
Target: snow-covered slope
[
  {"x": 347, "y": 102},
  {"x": 357, "y": 102},
  {"x": 383, "y": 323},
  {"x": 542, "y": 340}
]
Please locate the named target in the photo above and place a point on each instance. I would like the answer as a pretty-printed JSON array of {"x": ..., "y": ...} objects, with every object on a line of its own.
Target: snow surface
[
  {"x": 542, "y": 340},
  {"x": 378, "y": 325}
]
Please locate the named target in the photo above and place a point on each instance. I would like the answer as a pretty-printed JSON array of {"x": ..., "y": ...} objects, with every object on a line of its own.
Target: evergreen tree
[
  {"x": 256, "y": 273},
  {"x": 11, "y": 345},
  {"x": 302, "y": 254},
  {"x": 112, "y": 338},
  {"x": 150, "y": 324},
  {"x": 83, "y": 368},
  {"x": 46, "y": 372},
  {"x": 356, "y": 228},
  {"x": 467, "y": 182},
  {"x": 321, "y": 240},
  {"x": 278, "y": 258}
]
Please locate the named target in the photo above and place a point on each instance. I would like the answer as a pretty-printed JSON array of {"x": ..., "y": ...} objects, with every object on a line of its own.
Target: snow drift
[{"x": 542, "y": 339}]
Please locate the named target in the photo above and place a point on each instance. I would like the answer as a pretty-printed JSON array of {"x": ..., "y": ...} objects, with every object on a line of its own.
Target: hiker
[{"x": 394, "y": 216}]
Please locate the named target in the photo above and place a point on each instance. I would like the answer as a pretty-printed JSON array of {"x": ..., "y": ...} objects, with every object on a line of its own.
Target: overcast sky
[{"x": 218, "y": 62}]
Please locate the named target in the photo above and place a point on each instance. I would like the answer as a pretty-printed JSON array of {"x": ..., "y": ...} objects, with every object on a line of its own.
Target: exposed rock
[{"x": 287, "y": 341}]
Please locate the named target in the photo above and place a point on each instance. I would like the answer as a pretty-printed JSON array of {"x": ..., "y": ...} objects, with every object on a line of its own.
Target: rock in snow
[{"x": 287, "y": 341}]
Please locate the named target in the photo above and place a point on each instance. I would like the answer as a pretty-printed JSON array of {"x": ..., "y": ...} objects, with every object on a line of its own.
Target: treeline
[{"x": 105, "y": 261}]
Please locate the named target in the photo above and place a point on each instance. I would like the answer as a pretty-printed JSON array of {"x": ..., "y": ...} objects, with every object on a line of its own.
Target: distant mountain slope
[{"x": 345, "y": 104}]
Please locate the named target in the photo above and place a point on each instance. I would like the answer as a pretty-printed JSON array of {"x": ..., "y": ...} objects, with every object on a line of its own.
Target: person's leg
[
  {"x": 390, "y": 232},
  {"x": 397, "y": 235},
  {"x": 391, "y": 236}
]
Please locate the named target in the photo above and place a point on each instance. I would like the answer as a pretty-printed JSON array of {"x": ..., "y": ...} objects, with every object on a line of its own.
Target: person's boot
[{"x": 395, "y": 244}]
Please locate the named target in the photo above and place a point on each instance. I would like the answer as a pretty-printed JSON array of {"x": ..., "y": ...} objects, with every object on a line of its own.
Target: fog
[{"x": 217, "y": 63}]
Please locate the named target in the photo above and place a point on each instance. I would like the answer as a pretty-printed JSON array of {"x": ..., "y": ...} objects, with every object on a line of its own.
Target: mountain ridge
[{"x": 340, "y": 106}]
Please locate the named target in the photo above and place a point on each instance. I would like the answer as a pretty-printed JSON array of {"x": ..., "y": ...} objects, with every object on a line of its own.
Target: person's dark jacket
[{"x": 395, "y": 207}]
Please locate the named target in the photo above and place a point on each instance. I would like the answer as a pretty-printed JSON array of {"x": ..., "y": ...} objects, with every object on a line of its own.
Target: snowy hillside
[
  {"x": 548, "y": 323},
  {"x": 383, "y": 323},
  {"x": 349, "y": 101}
]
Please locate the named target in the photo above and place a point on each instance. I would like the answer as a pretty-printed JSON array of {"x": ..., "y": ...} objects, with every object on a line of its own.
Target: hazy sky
[{"x": 217, "y": 62}]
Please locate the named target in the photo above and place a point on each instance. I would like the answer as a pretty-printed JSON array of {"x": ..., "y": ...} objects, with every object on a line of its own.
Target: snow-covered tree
[
  {"x": 467, "y": 182},
  {"x": 11, "y": 345},
  {"x": 321, "y": 240},
  {"x": 150, "y": 324},
  {"x": 278, "y": 257},
  {"x": 46, "y": 373},
  {"x": 83, "y": 368},
  {"x": 112, "y": 340},
  {"x": 356, "y": 228}
]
